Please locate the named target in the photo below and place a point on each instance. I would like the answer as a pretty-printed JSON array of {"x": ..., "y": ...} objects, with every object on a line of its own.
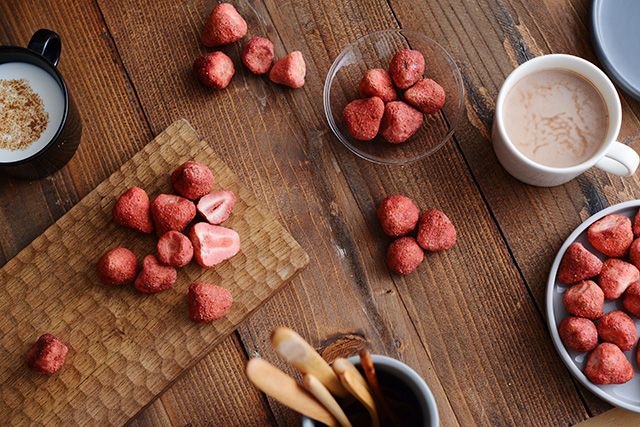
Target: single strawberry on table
[
  {"x": 192, "y": 180},
  {"x": 47, "y": 355},
  {"x": 289, "y": 71},
  {"x": 208, "y": 302},
  {"x": 362, "y": 118},
  {"x": 117, "y": 266},
  {"x": 132, "y": 210},
  {"x": 224, "y": 26},
  {"x": 404, "y": 255},
  {"x": 214, "y": 70},
  {"x": 398, "y": 215},
  {"x": 217, "y": 206},
  {"x": 174, "y": 249},
  {"x": 578, "y": 264},
  {"x": 154, "y": 276},
  {"x": 171, "y": 212},
  {"x": 213, "y": 244},
  {"x": 257, "y": 55},
  {"x": 435, "y": 231}
]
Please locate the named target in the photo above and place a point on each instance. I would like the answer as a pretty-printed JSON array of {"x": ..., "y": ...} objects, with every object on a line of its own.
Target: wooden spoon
[
  {"x": 361, "y": 393},
  {"x": 341, "y": 365},
  {"x": 372, "y": 379},
  {"x": 305, "y": 358},
  {"x": 321, "y": 393},
  {"x": 275, "y": 383}
]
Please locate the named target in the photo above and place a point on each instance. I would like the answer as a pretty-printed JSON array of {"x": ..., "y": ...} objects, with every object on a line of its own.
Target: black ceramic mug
[{"x": 59, "y": 140}]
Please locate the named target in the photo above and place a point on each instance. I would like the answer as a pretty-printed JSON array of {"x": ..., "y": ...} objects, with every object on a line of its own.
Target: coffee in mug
[{"x": 556, "y": 118}]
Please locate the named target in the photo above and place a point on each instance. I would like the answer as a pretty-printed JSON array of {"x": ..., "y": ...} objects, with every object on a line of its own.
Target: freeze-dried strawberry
[
  {"x": 362, "y": 118},
  {"x": 132, "y": 210},
  {"x": 289, "y": 71},
  {"x": 426, "y": 95},
  {"x": 399, "y": 122},
  {"x": 208, "y": 302},
  {"x": 616, "y": 276},
  {"x": 578, "y": 334},
  {"x": 192, "y": 180},
  {"x": 398, "y": 215},
  {"x": 435, "y": 231},
  {"x": 377, "y": 82},
  {"x": 217, "y": 206},
  {"x": 257, "y": 55},
  {"x": 213, "y": 244},
  {"x": 154, "y": 276},
  {"x": 608, "y": 365},
  {"x": 118, "y": 266},
  {"x": 584, "y": 299},
  {"x": 612, "y": 235},
  {"x": 406, "y": 68},
  {"x": 171, "y": 212},
  {"x": 617, "y": 327},
  {"x": 47, "y": 355},
  {"x": 224, "y": 26},
  {"x": 578, "y": 264},
  {"x": 214, "y": 70},
  {"x": 174, "y": 249},
  {"x": 631, "y": 299},
  {"x": 404, "y": 255}
]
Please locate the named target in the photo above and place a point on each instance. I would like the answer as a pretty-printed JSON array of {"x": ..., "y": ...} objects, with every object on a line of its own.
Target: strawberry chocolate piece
[
  {"x": 118, "y": 266},
  {"x": 406, "y": 68},
  {"x": 578, "y": 264},
  {"x": 224, "y": 26},
  {"x": 208, "y": 302},
  {"x": 631, "y": 299},
  {"x": 404, "y": 255},
  {"x": 608, "y": 365},
  {"x": 616, "y": 276},
  {"x": 289, "y": 71},
  {"x": 584, "y": 299},
  {"x": 132, "y": 210},
  {"x": 578, "y": 334},
  {"x": 214, "y": 70},
  {"x": 171, "y": 212},
  {"x": 612, "y": 235},
  {"x": 257, "y": 55},
  {"x": 378, "y": 83},
  {"x": 192, "y": 180},
  {"x": 362, "y": 118},
  {"x": 213, "y": 244},
  {"x": 175, "y": 249},
  {"x": 47, "y": 355},
  {"x": 217, "y": 206},
  {"x": 617, "y": 327},
  {"x": 399, "y": 122},
  {"x": 426, "y": 95},
  {"x": 435, "y": 231},
  {"x": 398, "y": 215},
  {"x": 154, "y": 276}
]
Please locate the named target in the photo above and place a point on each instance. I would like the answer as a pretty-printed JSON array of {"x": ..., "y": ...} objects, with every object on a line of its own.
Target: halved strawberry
[
  {"x": 213, "y": 244},
  {"x": 217, "y": 206}
]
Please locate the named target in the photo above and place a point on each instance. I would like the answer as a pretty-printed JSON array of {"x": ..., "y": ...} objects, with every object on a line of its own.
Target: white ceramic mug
[{"x": 612, "y": 157}]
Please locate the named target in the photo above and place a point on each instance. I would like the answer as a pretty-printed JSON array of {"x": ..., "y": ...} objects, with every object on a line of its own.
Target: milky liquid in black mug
[{"x": 40, "y": 127}]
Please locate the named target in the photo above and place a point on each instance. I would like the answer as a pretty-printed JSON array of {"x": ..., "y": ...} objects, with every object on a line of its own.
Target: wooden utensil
[
  {"x": 359, "y": 391},
  {"x": 320, "y": 392},
  {"x": 341, "y": 365},
  {"x": 295, "y": 350},
  {"x": 275, "y": 383},
  {"x": 370, "y": 372}
]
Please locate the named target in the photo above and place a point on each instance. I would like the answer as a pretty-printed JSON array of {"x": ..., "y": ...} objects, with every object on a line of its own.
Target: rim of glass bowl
[{"x": 334, "y": 127}]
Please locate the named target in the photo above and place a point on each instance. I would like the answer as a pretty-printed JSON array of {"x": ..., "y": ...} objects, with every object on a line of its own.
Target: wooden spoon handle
[
  {"x": 275, "y": 383},
  {"x": 295, "y": 350},
  {"x": 342, "y": 365},
  {"x": 370, "y": 372},
  {"x": 321, "y": 393},
  {"x": 356, "y": 388}
]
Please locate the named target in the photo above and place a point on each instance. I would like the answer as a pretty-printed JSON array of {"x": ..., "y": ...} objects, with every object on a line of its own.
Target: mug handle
[
  {"x": 620, "y": 160},
  {"x": 46, "y": 43}
]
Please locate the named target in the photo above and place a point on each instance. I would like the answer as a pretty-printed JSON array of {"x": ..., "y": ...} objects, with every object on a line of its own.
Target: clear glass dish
[{"x": 375, "y": 51}]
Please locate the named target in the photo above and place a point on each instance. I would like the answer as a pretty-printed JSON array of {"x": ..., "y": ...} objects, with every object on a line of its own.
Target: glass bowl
[{"x": 375, "y": 51}]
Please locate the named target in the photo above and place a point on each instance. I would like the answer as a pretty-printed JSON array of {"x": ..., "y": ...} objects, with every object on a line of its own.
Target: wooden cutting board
[{"x": 125, "y": 347}]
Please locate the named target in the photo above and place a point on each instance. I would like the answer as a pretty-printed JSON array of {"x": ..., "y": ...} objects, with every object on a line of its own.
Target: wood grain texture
[{"x": 125, "y": 347}]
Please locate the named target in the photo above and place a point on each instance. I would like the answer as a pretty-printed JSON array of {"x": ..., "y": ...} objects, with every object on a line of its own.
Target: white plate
[{"x": 623, "y": 395}]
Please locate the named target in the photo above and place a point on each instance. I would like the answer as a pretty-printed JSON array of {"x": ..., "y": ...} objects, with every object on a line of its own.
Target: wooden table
[{"x": 471, "y": 320}]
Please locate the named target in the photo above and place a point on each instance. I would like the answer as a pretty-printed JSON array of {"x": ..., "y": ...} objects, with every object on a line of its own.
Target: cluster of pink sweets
[
  {"x": 380, "y": 111},
  {"x": 613, "y": 236},
  {"x": 225, "y": 26},
  {"x": 398, "y": 216},
  {"x": 169, "y": 215}
]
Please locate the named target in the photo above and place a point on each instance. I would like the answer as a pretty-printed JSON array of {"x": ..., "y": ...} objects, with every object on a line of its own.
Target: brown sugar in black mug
[{"x": 40, "y": 127}]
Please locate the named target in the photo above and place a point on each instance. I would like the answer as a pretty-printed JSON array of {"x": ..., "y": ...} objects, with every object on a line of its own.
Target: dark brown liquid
[{"x": 556, "y": 118}]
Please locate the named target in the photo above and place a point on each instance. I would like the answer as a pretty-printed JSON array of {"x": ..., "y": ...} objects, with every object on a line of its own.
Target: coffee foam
[{"x": 43, "y": 84}]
